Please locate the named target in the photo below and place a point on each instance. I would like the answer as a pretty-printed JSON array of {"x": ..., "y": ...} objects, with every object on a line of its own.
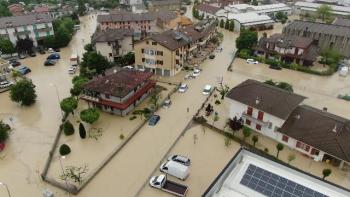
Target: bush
[
  {"x": 266, "y": 150},
  {"x": 68, "y": 128},
  {"x": 64, "y": 149},
  {"x": 217, "y": 102},
  {"x": 244, "y": 54},
  {"x": 132, "y": 118},
  {"x": 4, "y": 132},
  {"x": 121, "y": 136},
  {"x": 82, "y": 131},
  {"x": 215, "y": 95}
]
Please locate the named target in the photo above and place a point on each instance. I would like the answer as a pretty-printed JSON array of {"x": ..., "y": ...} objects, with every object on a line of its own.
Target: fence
[{"x": 229, "y": 68}]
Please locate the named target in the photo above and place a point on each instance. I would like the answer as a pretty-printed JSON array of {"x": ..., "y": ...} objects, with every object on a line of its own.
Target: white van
[
  {"x": 74, "y": 60},
  {"x": 175, "y": 169},
  {"x": 343, "y": 71}
]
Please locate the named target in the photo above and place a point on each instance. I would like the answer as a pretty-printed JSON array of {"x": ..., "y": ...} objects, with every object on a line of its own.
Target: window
[
  {"x": 260, "y": 115},
  {"x": 258, "y": 127},
  {"x": 109, "y": 44},
  {"x": 159, "y": 62},
  {"x": 143, "y": 59},
  {"x": 314, "y": 151},
  {"x": 154, "y": 43},
  {"x": 303, "y": 146},
  {"x": 250, "y": 111},
  {"x": 177, "y": 52},
  {"x": 107, "y": 96},
  {"x": 177, "y": 61},
  {"x": 160, "y": 53},
  {"x": 142, "y": 50},
  {"x": 285, "y": 138},
  {"x": 147, "y": 42},
  {"x": 110, "y": 54},
  {"x": 247, "y": 122},
  {"x": 270, "y": 125}
]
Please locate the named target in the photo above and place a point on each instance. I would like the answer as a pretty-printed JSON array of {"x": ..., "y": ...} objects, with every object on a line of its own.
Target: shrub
[
  {"x": 244, "y": 54},
  {"x": 215, "y": 95},
  {"x": 132, "y": 118},
  {"x": 121, "y": 136},
  {"x": 4, "y": 132},
  {"x": 266, "y": 150},
  {"x": 82, "y": 131},
  {"x": 217, "y": 102},
  {"x": 68, "y": 128},
  {"x": 64, "y": 149}
]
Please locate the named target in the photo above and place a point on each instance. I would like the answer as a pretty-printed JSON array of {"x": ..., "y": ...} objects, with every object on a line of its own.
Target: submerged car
[
  {"x": 54, "y": 56},
  {"x": 252, "y": 61},
  {"x": 23, "y": 70},
  {"x": 180, "y": 159},
  {"x": 49, "y": 63},
  {"x": 154, "y": 120},
  {"x": 206, "y": 89},
  {"x": 183, "y": 88},
  {"x": 196, "y": 72}
]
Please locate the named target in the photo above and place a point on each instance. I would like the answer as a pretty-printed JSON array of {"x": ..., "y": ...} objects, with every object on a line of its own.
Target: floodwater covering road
[{"x": 23, "y": 159}]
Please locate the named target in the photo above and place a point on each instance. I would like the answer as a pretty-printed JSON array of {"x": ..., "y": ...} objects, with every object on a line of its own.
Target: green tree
[
  {"x": 255, "y": 139},
  {"x": 330, "y": 56},
  {"x": 24, "y": 45},
  {"x": 227, "y": 24},
  {"x": 285, "y": 86},
  {"x": 222, "y": 23},
  {"x": 154, "y": 100},
  {"x": 324, "y": 12},
  {"x": 82, "y": 131},
  {"x": 90, "y": 115},
  {"x": 291, "y": 157},
  {"x": 6, "y": 46},
  {"x": 254, "y": 2},
  {"x": 232, "y": 25},
  {"x": 23, "y": 92},
  {"x": 68, "y": 105},
  {"x": 81, "y": 7},
  {"x": 78, "y": 82},
  {"x": 326, "y": 172},
  {"x": 64, "y": 149},
  {"x": 4, "y": 11},
  {"x": 247, "y": 39},
  {"x": 89, "y": 47},
  {"x": 94, "y": 61},
  {"x": 223, "y": 90},
  {"x": 246, "y": 132},
  {"x": 279, "y": 148},
  {"x": 282, "y": 17},
  {"x": 270, "y": 82},
  {"x": 4, "y": 131}
]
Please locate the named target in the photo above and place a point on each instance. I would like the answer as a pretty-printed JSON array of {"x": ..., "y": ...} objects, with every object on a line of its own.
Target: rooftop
[
  {"x": 286, "y": 41},
  {"x": 117, "y": 15},
  {"x": 320, "y": 129},
  {"x": 253, "y": 174},
  {"x": 250, "y": 18},
  {"x": 22, "y": 20},
  {"x": 259, "y": 8},
  {"x": 164, "y": 2},
  {"x": 312, "y": 27},
  {"x": 335, "y": 9},
  {"x": 118, "y": 84},
  {"x": 342, "y": 22},
  {"x": 208, "y": 8},
  {"x": 267, "y": 98},
  {"x": 110, "y": 35}
]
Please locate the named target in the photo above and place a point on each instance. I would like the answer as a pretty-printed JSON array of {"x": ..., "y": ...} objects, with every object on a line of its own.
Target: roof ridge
[{"x": 326, "y": 114}]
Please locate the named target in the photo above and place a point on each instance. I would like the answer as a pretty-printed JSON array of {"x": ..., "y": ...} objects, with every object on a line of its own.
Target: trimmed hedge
[
  {"x": 64, "y": 150},
  {"x": 68, "y": 128}
]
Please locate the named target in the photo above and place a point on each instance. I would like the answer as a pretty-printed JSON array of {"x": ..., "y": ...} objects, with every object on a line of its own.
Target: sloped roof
[
  {"x": 118, "y": 84},
  {"x": 22, "y": 20},
  {"x": 320, "y": 129},
  {"x": 272, "y": 100},
  {"x": 110, "y": 35},
  {"x": 208, "y": 8}
]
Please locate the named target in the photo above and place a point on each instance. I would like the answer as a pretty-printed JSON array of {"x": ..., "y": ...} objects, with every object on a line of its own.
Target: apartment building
[
  {"x": 326, "y": 36},
  {"x": 156, "y": 5},
  {"x": 165, "y": 53},
  {"x": 119, "y": 92},
  {"x": 16, "y": 9},
  {"x": 33, "y": 26},
  {"x": 280, "y": 115},
  {"x": 113, "y": 43},
  {"x": 290, "y": 49}
]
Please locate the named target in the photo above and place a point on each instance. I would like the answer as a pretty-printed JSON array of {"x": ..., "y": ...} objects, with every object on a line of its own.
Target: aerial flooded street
[{"x": 127, "y": 173}]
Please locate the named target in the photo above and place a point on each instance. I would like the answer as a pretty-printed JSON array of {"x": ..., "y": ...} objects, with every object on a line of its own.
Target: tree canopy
[
  {"x": 4, "y": 131},
  {"x": 24, "y": 45},
  {"x": 324, "y": 12},
  {"x": 283, "y": 85},
  {"x": 247, "y": 39},
  {"x": 90, "y": 115},
  {"x": 6, "y": 46},
  {"x": 68, "y": 105},
  {"x": 95, "y": 62},
  {"x": 78, "y": 82},
  {"x": 23, "y": 92},
  {"x": 282, "y": 17},
  {"x": 4, "y": 11}
]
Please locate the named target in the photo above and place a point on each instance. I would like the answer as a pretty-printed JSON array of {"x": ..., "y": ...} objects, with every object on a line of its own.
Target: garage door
[{"x": 167, "y": 73}]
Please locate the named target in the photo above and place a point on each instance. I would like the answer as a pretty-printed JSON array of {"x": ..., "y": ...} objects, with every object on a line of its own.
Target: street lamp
[
  {"x": 64, "y": 174},
  {"x": 7, "y": 189},
  {"x": 58, "y": 96}
]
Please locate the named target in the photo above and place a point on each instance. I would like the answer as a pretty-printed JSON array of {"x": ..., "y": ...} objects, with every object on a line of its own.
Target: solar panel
[{"x": 273, "y": 185}]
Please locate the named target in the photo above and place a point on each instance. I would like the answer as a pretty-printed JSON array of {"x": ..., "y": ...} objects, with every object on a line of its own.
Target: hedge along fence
[{"x": 72, "y": 188}]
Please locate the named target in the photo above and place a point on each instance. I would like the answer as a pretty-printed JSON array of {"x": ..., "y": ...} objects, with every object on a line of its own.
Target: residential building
[
  {"x": 251, "y": 173},
  {"x": 270, "y": 9},
  {"x": 120, "y": 92},
  {"x": 165, "y": 53},
  {"x": 142, "y": 24},
  {"x": 172, "y": 20},
  {"x": 156, "y": 5},
  {"x": 33, "y": 26},
  {"x": 41, "y": 9},
  {"x": 289, "y": 49},
  {"x": 251, "y": 21},
  {"x": 207, "y": 10},
  {"x": 342, "y": 22},
  {"x": 139, "y": 8},
  {"x": 129, "y": 3},
  {"x": 222, "y": 3},
  {"x": 62, "y": 11},
  {"x": 16, "y": 9},
  {"x": 279, "y": 115},
  {"x": 4, "y": 69},
  {"x": 327, "y": 36},
  {"x": 113, "y": 43},
  {"x": 303, "y": 8}
]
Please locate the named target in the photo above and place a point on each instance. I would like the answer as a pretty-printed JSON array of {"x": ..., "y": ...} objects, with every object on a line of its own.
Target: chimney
[
  {"x": 324, "y": 109},
  {"x": 257, "y": 100},
  {"x": 334, "y": 129},
  {"x": 297, "y": 117}
]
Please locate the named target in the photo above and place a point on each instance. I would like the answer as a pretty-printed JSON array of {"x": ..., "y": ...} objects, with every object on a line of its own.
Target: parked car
[
  {"x": 206, "y": 89},
  {"x": 14, "y": 62},
  {"x": 49, "y": 63},
  {"x": 275, "y": 66},
  {"x": 183, "y": 88},
  {"x": 128, "y": 67},
  {"x": 72, "y": 69},
  {"x": 212, "y": 56},
  {"x": 50, "y": 50},
  {"x": 22, "y": 56},
  {"x": 32, "y": 54},
  {"x": 252, "y": 61},
  {"x": 343, "y": 71},
  {"x": 196, "y": 72},
  {"x": 161, "y": 182},
  {"x": 180, "y": 159},
  {"x": 54, "y": 56},
  {"x": 5, "y": 84},
  {"x": 57, "y": 50},
  {"x": 175, "y": 169},
  {"x": 167, "y": 103},
  {"x": 23, "y": 69},
  {"x": 154, "y": 120},
  {"x": 41, "y": 50}
]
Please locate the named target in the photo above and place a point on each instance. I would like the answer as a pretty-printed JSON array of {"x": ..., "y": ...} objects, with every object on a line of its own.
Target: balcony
[
  {"x": 20, "y": 33},
  {"x": 43, "y": 29},
  {"x": 255, "y": 120},
  {"x": 89, "y": 98}
]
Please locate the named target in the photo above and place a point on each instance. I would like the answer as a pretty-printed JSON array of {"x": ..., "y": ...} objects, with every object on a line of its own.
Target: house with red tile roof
[{"x": 119, "y": 92}]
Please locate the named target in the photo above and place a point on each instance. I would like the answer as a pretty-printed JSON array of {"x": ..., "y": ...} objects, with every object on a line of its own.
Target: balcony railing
[
  {"x": 86, "y": 97},
  {"x": 252, "y": 119}
]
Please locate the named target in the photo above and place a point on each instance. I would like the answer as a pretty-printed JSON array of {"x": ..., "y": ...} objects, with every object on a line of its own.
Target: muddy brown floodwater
[{"x": 35, "y": 127}]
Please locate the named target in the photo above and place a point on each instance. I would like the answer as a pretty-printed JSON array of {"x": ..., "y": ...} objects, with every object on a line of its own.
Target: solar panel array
[{"x": 273, "y": 185}]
